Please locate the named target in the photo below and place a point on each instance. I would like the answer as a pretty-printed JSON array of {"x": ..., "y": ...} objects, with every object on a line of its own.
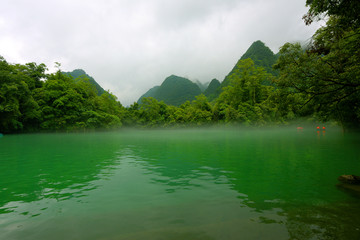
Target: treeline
[{"x": 32, "y": 101}]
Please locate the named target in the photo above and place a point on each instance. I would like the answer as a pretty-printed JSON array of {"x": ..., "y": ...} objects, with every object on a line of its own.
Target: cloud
[{"x": 129, "y": 46}]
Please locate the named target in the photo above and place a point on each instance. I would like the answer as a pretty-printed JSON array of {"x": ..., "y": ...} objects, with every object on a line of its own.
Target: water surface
[{"x": 179, "y": 184}]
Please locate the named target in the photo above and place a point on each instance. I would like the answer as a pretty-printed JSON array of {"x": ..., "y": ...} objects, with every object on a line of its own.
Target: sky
[{"x": 130, "y": 46}]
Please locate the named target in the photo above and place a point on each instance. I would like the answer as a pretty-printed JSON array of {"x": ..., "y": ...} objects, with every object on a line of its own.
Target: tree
[
  {"x": 242, "y": 100},
  {"x": 111, "y": 111},
  {"x": 327, "y": 73},
  {"x": 201, "y": 110},
  {"x": 154, "y": 113},
  {"x": 61, "y": 104},
  {"x": 18, "y": 109},
  {"x": 346, "y": 10},
  {"x": 201, "y": 102},
  {"x": 31, "y": 100}
]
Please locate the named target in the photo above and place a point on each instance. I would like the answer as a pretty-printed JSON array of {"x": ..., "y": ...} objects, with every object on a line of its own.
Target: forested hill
[
  {"x": 262, "y": 56},
  {"x": 174, "y": 91},
  {"x": 150, "y": 93},
  {"x": 212, "y": 89},
  {"x": 177, "y": 90},
  {"x": 81, "y": 73}
]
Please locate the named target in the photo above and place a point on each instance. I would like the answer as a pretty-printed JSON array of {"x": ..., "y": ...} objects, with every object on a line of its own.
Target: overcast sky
[{"x": 129, "y": 46}]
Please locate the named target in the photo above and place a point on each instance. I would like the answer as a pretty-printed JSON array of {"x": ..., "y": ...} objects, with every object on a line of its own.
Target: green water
[{"x": 179, "y": 184}]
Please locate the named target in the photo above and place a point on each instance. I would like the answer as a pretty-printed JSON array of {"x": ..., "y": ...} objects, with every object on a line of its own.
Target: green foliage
[
  {"x": 69, "y": 105},
  {"x": 200, "y": 111},
  {"x": 30, "y": 100},
  {"x": 79, "y": 73},
  {"x": 327, "y": 75},
  {"x": 17, "y": 105},
  {"x": 261, "y": 55},
  {"x": 244, "y": 99},
  {"x": 153, "y": 112},
  {"x": 346, "y": 10},
  {"x": 247, "y": 96}
]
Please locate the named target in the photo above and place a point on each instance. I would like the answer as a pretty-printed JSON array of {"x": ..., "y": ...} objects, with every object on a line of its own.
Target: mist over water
[{"x": 212, "y": 183}]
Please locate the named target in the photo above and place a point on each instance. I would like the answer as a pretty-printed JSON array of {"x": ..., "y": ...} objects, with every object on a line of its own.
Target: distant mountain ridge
[
  {"x": 202, "y": 86},
  {"x": 174, "y": 90},
  {"x": 79, "y": 72}
]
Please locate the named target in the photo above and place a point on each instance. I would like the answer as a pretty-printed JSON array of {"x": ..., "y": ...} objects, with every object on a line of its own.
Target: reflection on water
[
  {"x": 204, "y": 184},
  {"x": 38, "y": 167}
]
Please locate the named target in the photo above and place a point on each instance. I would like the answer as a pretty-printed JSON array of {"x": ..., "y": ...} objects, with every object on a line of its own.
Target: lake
[{"x": 179, "y": 184}]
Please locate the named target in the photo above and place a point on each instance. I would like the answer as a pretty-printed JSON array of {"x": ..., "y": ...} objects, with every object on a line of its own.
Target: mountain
[
  {"x": 150, "y": 93},
  {"x": 201, "y": 85},
  {"x": 174, "y": 91},
  {"x": 212, "y": 89},
  {"x": 262, "y": 56},
  {"x": 79, "y": 72}
]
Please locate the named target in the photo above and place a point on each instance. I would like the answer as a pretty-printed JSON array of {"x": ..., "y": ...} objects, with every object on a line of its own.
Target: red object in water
[
  {"x": 317, "y": 127},
  {"x": 323, "y": 128},
  {"x": 299, "y": 128}
]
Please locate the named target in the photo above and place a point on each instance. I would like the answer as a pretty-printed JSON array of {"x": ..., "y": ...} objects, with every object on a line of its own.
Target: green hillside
[
  {"x": 79, "y": 73},
  {"x": 211, "y": 90},
  {"x": 262, "y": 56},
  {"x": 174, "y": 91},
  {"x": 150, "y": 93}
]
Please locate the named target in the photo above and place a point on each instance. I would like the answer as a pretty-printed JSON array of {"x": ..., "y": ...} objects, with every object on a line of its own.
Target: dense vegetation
[
  {"x": 79, "y": 73},
  {"x": 326, "y": 76},
  {"x": 31, "y": 100},
  {"x": 319, "y": 81}
]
